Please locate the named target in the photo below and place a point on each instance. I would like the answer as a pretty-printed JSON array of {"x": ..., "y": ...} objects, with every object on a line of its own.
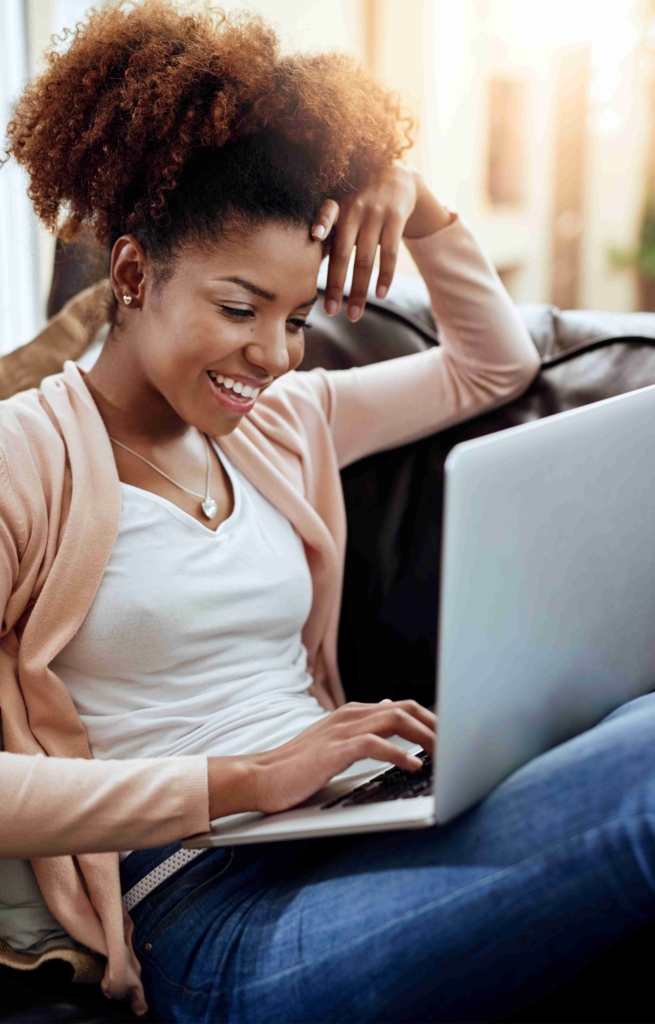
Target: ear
[{"x": 128, "y": 272}]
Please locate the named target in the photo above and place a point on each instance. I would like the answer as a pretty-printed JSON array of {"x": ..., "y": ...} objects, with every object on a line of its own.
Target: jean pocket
[{"x": 168, "y": 903}]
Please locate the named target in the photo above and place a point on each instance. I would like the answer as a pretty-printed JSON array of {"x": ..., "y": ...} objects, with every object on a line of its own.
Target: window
[
  {"x": 570, "y": 144},
  {"x": 19, "y": 315},
  {"x": 506, "y": 117}
]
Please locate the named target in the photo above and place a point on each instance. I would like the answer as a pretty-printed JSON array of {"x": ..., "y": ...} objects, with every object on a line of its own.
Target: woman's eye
[
  {"x": 238, "y": 313},
  {"x": 241, "y": 314}
]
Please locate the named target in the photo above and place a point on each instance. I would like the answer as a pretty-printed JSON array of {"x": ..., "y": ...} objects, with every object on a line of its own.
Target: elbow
[
  {"x": 492, "y": 387},
  {"x": 502, "y": 387},
  {"x": 531, "y": 369},
  {"x": 524, "y": 373}
]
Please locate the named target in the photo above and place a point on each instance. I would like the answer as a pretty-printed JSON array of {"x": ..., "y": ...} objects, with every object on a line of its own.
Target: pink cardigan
[
  {"x": 55, "y": 806},
  {"x": 60, "y": 509}
]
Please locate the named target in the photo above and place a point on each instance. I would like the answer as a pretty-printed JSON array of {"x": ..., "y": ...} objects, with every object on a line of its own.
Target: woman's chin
[{"x": 213, "y": 422}]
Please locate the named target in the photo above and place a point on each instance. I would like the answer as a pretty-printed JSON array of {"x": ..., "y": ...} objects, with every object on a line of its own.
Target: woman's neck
[{"x": 130, "y": 406}]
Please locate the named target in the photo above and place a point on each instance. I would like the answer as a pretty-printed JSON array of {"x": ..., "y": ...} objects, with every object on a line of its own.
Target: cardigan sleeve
[
  {"x": 51, "y": 806},
  {"x": 485, "y": 358}
]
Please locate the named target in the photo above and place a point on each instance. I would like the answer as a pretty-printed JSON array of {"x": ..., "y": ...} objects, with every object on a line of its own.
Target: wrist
[
  {"x": 428, "y": 215},
  {"x": 232, "y": 786}
]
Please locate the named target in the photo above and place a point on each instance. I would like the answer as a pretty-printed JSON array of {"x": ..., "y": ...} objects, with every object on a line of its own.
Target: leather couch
[{"x": 387, "y": 640}]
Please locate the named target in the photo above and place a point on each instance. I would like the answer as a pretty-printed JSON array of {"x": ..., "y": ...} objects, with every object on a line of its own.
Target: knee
[
  {"x": 604, "y": 765},
  {"x": 642, "y": 708}
]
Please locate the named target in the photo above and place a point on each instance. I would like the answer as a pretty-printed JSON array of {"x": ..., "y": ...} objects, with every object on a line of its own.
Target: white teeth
[{"x": 245, "y": 390}]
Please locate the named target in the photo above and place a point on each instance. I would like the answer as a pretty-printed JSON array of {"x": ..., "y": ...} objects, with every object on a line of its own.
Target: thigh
[{"x": 464, "y": 922}]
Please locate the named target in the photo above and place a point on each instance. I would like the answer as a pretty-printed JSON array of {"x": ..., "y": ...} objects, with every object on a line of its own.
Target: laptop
[{"x": 547, "y": 617}]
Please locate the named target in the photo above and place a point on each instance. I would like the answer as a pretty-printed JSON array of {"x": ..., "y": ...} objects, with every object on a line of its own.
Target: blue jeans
[{"x": 470, "y": 921}]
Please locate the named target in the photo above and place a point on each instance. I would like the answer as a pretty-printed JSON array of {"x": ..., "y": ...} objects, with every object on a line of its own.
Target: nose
[{"x": 270, "y": 350}]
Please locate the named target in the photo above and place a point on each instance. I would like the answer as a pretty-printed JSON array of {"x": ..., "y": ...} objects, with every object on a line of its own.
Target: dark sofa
[{"x": 387, "y": 640}]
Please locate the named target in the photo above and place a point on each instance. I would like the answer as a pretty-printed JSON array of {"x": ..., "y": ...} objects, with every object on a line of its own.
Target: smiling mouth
[{"x": 234, "y": 388}]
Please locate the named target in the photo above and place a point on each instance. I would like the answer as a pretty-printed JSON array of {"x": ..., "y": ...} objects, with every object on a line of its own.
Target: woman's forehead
[{"x": 273, "y": 263}]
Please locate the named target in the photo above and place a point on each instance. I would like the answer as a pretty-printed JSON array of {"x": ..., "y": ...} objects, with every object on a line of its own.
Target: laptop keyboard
[{"x": 393, "y": 784}]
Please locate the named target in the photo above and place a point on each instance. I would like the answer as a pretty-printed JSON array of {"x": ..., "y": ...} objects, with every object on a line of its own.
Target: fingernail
[
  {"x": 354, "y": 312},
  {"x": 331, "y": 306},
  {"x": 382, "y": 291},
  {"x": 319, "y": 231}
]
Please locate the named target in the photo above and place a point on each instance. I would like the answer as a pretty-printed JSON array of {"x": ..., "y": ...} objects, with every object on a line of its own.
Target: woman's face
[{"x": 223, "y": 326}]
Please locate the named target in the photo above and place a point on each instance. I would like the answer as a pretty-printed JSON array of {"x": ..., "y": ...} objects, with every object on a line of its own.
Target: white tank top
[{"x": 193, "y": 642}]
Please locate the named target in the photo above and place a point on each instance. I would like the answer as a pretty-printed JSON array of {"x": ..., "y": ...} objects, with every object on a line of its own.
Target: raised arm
[{"x": 486, "y": 356}]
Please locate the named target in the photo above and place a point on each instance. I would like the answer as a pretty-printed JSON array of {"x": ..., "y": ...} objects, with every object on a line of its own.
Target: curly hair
[{"x": 167, "y": 124}]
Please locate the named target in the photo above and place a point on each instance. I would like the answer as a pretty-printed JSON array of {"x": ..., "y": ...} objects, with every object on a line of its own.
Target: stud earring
[{"x": 127, "y": 299}]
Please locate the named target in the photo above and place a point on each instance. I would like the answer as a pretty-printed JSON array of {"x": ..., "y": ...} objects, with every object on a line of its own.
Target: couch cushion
[{"x": 25, "y": 921}]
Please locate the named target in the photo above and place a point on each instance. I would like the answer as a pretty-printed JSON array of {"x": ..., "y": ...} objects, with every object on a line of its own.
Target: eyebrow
[{"x": 261, "y": 293}]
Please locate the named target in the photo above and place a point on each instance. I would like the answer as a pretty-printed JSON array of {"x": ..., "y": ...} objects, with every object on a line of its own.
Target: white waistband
[{"x": 158, "y": 875}]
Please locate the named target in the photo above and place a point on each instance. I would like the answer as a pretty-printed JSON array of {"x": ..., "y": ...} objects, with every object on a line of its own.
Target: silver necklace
[{"x": 208, "y": 505}]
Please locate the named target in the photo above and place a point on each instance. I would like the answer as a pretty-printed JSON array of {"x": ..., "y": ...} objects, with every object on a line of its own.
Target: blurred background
[{"x": 537, "y": 125}]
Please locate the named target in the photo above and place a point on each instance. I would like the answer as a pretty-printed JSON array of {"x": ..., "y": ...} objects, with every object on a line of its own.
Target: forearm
[
  {"x": 486, "y": 356},
  {"x": 479, "y": 325},
  {"x": 53, "y": 806},
  {"x": 429, "y": 214}
]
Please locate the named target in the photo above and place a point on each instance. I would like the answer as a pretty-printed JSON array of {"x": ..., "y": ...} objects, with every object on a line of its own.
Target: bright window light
[
  {"x": 18, "y": 279},
  {"x": 609, "y": 122}
]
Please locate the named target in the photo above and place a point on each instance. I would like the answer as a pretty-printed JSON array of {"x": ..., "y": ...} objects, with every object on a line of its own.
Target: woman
[{"x": 173, "y": 541}]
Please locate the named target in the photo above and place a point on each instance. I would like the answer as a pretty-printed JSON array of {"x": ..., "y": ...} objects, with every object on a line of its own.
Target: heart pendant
[{"x": 209, "y": 507}]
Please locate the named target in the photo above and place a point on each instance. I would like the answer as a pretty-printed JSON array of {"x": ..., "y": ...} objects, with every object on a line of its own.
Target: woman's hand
[
  {"x": 285, "y": 776},
  {"x": 395, "y": 206}
]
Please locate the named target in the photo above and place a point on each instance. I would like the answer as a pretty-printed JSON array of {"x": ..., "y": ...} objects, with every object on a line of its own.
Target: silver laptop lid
[{"x": 547, "y": 615}]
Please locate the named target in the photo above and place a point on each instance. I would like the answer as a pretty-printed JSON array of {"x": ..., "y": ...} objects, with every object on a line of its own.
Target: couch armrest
[{"x": 66, "y": 336}]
